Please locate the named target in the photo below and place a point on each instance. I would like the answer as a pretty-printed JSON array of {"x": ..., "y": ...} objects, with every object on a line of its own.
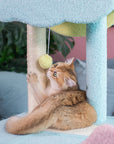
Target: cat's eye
[{"x": 55, "y": 74}]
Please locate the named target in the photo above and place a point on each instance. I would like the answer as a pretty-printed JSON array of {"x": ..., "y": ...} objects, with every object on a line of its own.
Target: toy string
[{"x": 48, "y": 41}]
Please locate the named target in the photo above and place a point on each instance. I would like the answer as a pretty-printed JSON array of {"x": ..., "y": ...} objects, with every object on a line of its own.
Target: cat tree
[{"x": 39, "y": 14}]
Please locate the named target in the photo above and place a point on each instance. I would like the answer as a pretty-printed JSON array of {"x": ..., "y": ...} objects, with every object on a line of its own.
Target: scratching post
[
  {"x": 36, "y": 46},
  {"x": 96, "y": 74}
]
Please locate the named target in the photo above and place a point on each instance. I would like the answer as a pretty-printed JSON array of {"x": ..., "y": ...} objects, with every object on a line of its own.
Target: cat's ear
[
  {"x": 69, "y": 82},
  {"x": 70, "y": 61}
]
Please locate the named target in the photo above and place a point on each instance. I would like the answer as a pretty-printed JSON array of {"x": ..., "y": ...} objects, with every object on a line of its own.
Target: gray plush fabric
[
  {"x": 80, "y": 68},
  {"x": 110, "y": 63},
  {"x": 13, "y": 93}
]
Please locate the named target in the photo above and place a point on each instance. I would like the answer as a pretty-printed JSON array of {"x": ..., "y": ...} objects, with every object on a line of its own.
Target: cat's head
[{"x": 62, "y": 75}]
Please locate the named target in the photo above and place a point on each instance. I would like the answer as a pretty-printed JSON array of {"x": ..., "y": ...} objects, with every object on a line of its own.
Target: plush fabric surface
[
  {"x": 45, "y": 137},
  {"x": 80, "y": 68},
  {"x": 96, "y": 72},
  {"x": 110, "y": 63},
  {"x": 46, "y": 13},
  {"x": 103, "y": 134},
  {"x": 13, "y": 93},
  {"x": 78, "y": 30}
]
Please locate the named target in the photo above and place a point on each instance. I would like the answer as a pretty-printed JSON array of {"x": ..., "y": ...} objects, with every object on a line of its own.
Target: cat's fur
[{"x": 62, "y": 104}]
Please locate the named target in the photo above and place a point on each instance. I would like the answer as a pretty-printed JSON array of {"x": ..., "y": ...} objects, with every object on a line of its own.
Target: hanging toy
[{"x": 46, "y": 61}]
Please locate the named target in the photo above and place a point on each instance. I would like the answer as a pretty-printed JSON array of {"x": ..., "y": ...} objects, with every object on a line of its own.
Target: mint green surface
[
  {"x": 45, "y": 137},
  {"x": 47, "y": 13}
]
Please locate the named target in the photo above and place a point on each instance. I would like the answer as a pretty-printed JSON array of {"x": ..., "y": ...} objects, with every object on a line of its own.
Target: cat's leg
[
  {"x": 44, "y": 115},
  {"x": 75, "y": 117},
  {"x": 39, "y": 119},
  {"x": 38, "y": 92}
]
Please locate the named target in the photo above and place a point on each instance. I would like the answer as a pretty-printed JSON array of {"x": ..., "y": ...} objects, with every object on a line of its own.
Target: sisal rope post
[{"x": 36, "y": 46}]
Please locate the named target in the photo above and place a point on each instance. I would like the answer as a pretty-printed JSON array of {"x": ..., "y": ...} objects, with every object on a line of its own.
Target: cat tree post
[
  {"x": 96, "y": 74},
  {"x": 36, "y": 46}
]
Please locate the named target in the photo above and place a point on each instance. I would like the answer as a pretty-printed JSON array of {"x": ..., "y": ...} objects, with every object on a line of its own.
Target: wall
[{"x": 79, "y": 50}]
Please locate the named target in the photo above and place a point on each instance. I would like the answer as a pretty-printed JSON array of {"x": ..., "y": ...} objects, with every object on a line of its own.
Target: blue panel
[
  {"x": 96, "y": 72},
  {"x": 45, "y": 13}
]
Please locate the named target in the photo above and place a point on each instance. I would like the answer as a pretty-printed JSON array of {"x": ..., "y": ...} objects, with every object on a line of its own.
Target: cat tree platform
[
  {"x": 50, "y": 136},
  {"x": 39, "y": 14}
]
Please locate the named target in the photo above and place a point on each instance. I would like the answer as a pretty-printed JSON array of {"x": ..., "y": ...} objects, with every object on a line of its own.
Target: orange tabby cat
[{"x": 63, "y": 105}]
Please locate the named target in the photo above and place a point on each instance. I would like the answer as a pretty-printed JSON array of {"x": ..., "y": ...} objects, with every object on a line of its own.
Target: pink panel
[
  {"x": 79, "y": 50},
  {"x": 110, "y": 43}
]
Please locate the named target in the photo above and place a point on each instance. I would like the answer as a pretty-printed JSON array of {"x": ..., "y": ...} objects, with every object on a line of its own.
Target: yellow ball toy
[{"x": 45, "y": 61}]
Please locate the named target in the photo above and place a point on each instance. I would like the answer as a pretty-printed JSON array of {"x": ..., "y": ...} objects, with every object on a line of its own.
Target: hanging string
[{"x": 48, "y": 41}]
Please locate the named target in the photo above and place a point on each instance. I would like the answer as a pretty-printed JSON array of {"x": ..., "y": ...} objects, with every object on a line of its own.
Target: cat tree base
[
  {"x": 85, "y": 131},
  {"x": 50, "y": 136}
]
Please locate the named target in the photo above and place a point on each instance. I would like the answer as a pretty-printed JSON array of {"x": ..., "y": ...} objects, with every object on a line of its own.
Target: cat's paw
[{"x": 32, "y": 78}]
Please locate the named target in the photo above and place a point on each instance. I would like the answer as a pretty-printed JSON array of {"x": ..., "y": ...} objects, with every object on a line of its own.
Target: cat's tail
[
  {"x": 39, "y": 119},
  {"x": 43, "y": 116},
  {"x": 29, "y": 124}
]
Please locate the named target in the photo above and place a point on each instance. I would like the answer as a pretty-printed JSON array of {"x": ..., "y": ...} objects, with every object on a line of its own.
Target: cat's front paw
[{"x": 32, "y": 78}]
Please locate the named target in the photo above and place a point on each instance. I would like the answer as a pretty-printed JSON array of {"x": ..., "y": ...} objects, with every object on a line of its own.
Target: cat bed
[
  {"x": 49, "y": 136},
  {"x": 46, "y": 137}
]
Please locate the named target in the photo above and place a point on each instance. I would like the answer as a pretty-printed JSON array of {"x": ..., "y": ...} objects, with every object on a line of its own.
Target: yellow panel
[
  {"x": 77, "y": 30},
  {"x": 110, "y": 19}
]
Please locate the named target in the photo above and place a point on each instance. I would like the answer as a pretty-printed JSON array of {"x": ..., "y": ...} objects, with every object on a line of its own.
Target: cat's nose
[{"x": 51, "y": 70}]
